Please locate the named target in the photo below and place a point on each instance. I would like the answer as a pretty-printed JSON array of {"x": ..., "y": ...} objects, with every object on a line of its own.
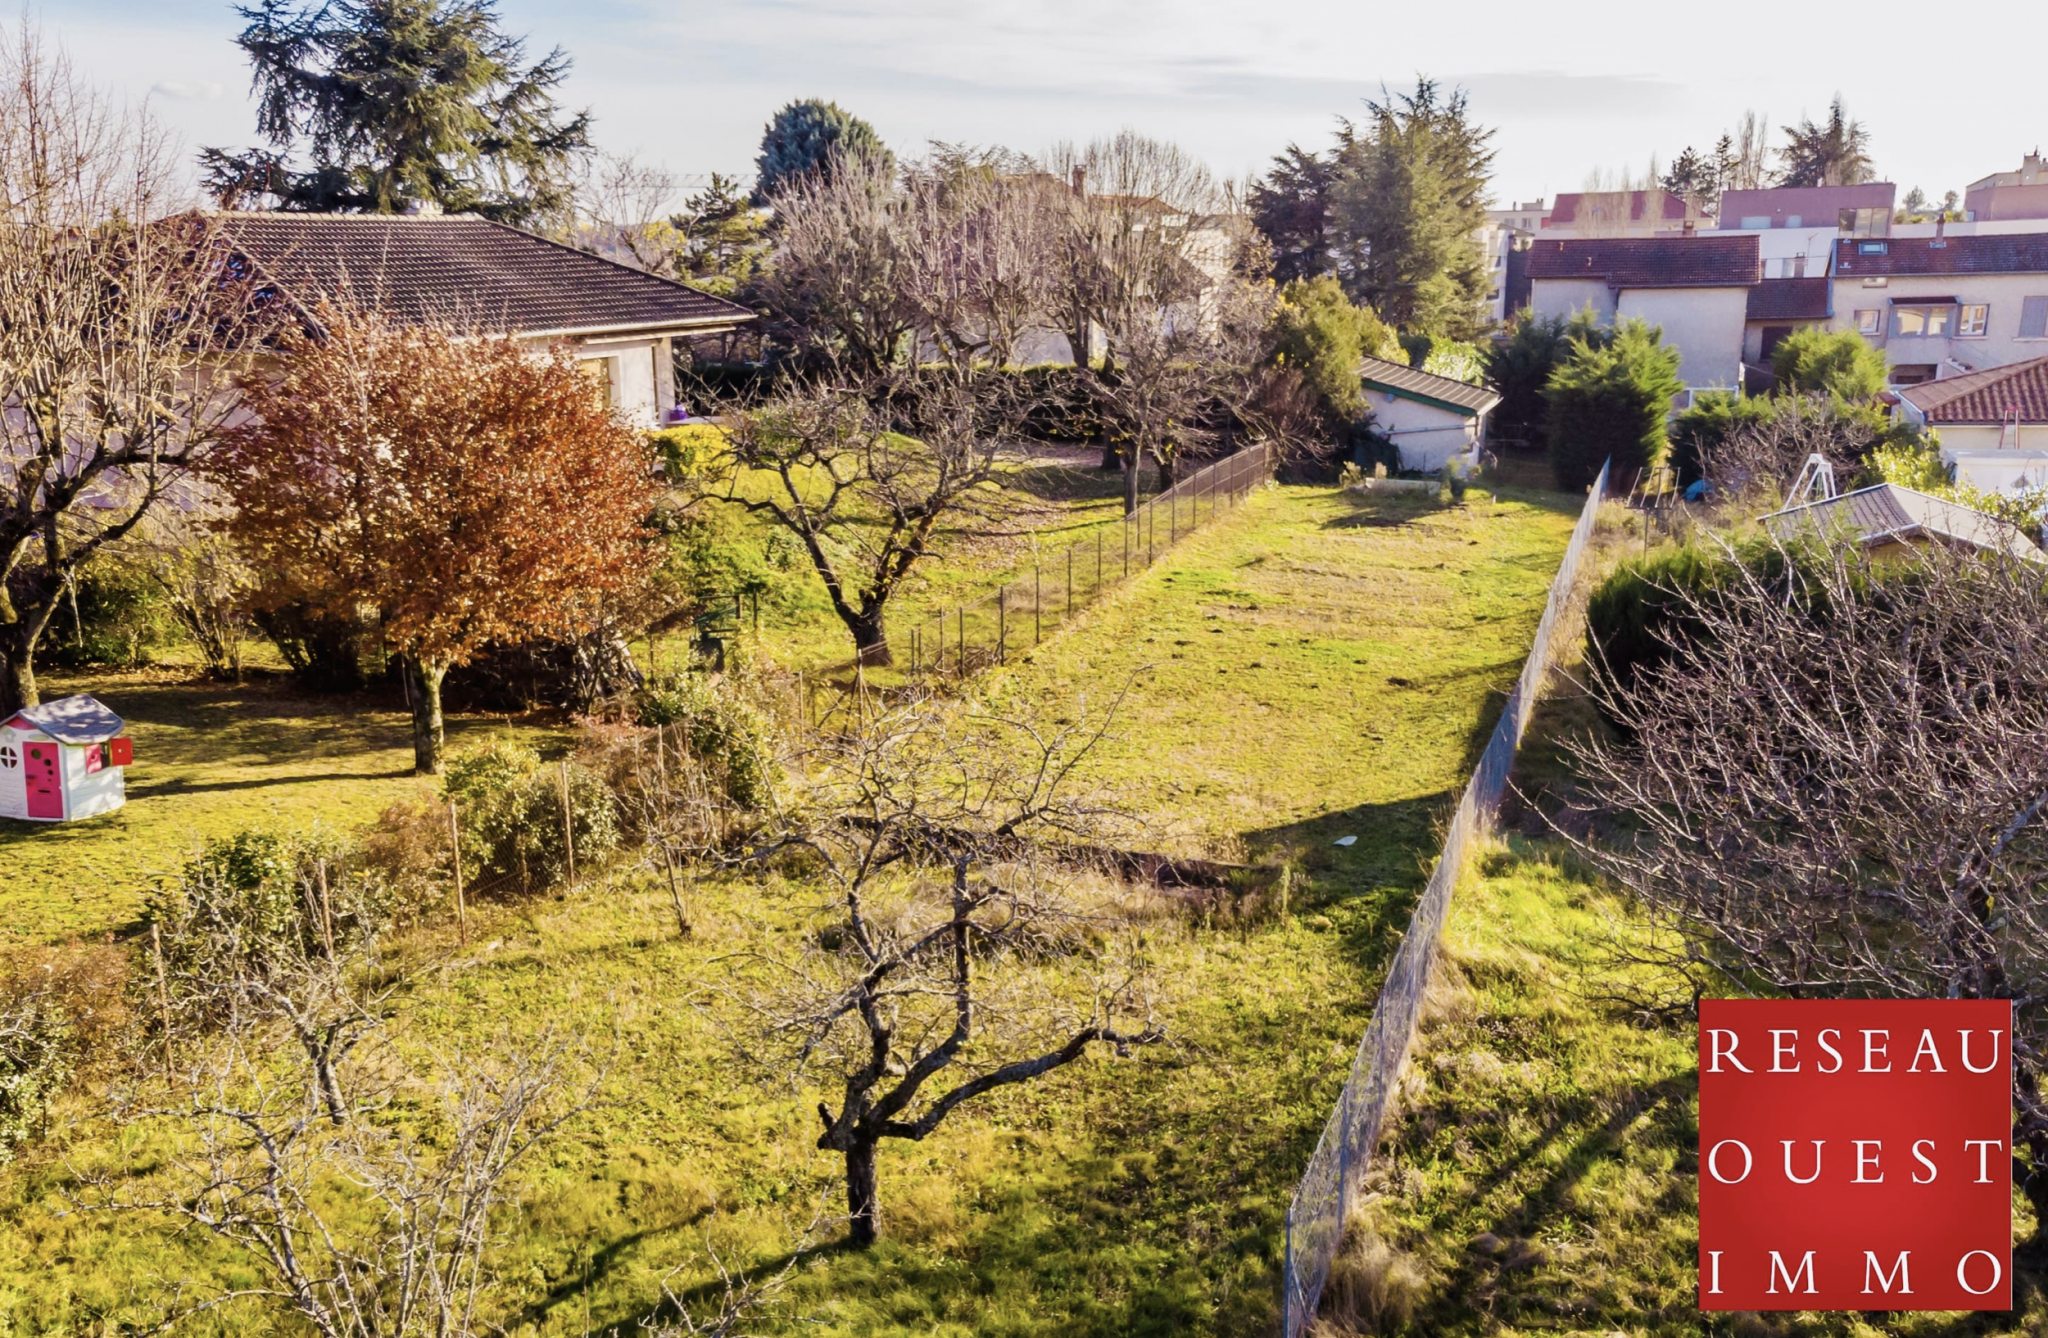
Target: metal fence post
[
  {"x": 1037, "y": 606},
  {"x": 1002, "y": 628},
  {"x": 1098, "y": 561},
  {"x": 960, "y": 638},
  {"x": 1070, "y": 581}
]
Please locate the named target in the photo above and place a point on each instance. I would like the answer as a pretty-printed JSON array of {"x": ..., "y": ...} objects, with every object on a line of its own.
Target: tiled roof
[
  {"x": 1790, "y": 300},
  {"x": 1699, "y": 261},
  {"x": 467, "y": 270},
  {"x": 1888, "y": 512},
  {"x": 1471, "y": 399},
  {"x": 1989, "y": 396},
  {"x": 2003, "y": 253},
  {"x": 1815, "y": 206}
]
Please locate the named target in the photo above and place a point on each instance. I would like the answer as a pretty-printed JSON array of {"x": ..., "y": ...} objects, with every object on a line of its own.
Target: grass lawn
[
  {"x": 1317, "y": 664},
  {"x": 210, "y": 760}
]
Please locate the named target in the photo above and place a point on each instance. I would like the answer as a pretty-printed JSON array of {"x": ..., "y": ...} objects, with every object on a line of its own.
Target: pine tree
[
  {"x": 1408, "y": 196},
  {"x": 1290, "y": 207},
  {"x": 724, "y": 238},
  {"x": 1836, "y": 153},
  {"x": 803, "y": 139},
  {"x": 379, "y": 106}
]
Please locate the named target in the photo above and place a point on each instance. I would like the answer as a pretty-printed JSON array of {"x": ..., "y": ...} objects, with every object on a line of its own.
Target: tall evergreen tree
[
  {"x": 1833, "y": 153},
  {"x": 378, "y": 106},
  {"x": 805, "y": 137},
  {"x": 1407, "y": 198},
  {"x": 1290, "y": 207}
]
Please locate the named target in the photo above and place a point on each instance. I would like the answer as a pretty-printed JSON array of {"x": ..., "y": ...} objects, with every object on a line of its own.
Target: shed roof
[
  {"x": 459, "y": 268},
  {"x": 1698, "y": 261},
  {"x": 1993, "y": 395},
  {"x": 1887, "y": 512},
  {"x": 79, "y": 719},
  {"x": 1446, "y": 392}
]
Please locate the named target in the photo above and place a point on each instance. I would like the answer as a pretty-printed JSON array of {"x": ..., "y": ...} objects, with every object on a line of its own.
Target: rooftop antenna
[{"x": 1815, "y": 476}]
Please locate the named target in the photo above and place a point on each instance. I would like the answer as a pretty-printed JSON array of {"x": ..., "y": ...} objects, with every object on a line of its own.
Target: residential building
[
  {"x": 1796, "y": 226},
  {"x": 1776, "y": 308},
  {"x": 2004, "y": 196},
  {"x": 1504, "y": 235},
  {"x": 1993, "y": 424},
  {"x": 1620, "y": 213},
  {"x": 1429, "y": 417},
  {"x": 1695, "y": 287},
  {"x": 620, "y": 323},
  {"x": 1944, "y": 305}
]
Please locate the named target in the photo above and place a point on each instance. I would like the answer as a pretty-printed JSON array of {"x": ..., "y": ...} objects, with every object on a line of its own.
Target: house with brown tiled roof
[
  {"x": 1694, "y": 286},
  {"x": 1993, "y": 424},
  {"x": 621, "y": 323},
  {"x": 1945, "y": 306}
]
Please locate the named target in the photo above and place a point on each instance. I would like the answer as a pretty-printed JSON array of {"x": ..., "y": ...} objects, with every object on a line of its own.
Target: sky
[{"x": 1571, "y": 88}]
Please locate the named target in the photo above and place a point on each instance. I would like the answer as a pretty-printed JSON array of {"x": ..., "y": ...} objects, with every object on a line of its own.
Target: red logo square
[{"x": 1855, "y": 1154}]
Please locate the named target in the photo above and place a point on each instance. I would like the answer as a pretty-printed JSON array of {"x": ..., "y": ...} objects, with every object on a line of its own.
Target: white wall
[
  {"x": 86, "y": 794},
  {"x": 1705, "y": 324},
  {"x": 1567, "y": 297},
  {"x": 2001, "y": 343},
  {"x": 1427, "y": 435},
  {"x": 1979, "y": 463},
  {"x": 633, "y": 377}
]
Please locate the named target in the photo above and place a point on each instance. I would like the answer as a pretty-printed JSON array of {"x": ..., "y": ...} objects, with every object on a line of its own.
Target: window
[
  {"x": 2034, "y": 318},
  {"x": 1756, "y": 221},
  {"x": 1870, "y": 322},
  {"x": 1871, "y": 248},
  {"x": 1795, "y": 267},
  {"x": 1972, "y": 321},
  {"x": 1927, "y": 322}
]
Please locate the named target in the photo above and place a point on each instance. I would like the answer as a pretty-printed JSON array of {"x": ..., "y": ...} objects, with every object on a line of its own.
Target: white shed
[
  {"x": 62, "y": 761},
  {"x": 1430, "y": 417}
]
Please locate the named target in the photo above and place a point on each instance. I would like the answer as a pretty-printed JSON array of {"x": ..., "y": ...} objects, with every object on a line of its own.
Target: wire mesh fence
[
  {"x": 959, "y": 641},
  {"x": 1322, "y": 1201}
]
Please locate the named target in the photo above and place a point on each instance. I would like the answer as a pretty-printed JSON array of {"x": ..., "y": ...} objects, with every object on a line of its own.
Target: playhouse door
[{"x": 45, "y": 781}]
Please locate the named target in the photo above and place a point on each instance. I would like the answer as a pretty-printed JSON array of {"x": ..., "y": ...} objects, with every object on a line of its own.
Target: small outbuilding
[
  {"x": 1429, "y": 417},
  {"x": 1889, "y": 521},
  {"x": 63, "y": 760}
]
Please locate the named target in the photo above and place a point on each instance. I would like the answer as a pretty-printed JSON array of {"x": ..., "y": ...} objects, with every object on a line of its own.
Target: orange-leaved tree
[{"x": 469, "y": 488}]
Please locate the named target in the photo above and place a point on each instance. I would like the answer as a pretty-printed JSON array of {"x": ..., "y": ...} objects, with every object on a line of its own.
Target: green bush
[
  {"x": 1520, "y": 366},
  {"x": 1713, "y": 417},
  {"x": 687, "y": 449},
  {"x": 1819, "y": 361},
  {"x": 509, "y": 806},
  {"x": 37, "y": 1059},
  {"x": 1610, "y": 402},
  {"x": 725, "y": 734},
  {"x": 1319, "y": 332},
  {"x": 122, "y": 617}
]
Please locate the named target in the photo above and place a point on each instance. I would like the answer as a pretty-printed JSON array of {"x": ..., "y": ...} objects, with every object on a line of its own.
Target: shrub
[
  {"x": 510, "y": 809},
  {"x": 1318, "y": 331},
  {"x": 725, "y": 733},
  {"x": 1520, "y": 366},
  {"x": 1634, "y": 615},
  {"x": 1818, "y": 361},
  {"x": 1712, "y": 418},
  {"x": 122, "y": 617},
  {"x": 687, "y": 449},
  {"x": 37, "y": 1059},
  {"x": 1610, "y": 402},
  {"x": 250, "y": 905}
]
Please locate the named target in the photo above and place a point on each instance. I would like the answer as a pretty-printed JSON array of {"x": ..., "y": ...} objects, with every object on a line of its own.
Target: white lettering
[
  {"x": 1816, "y": 1163},
  {"x": 1780, "y": 1052},
  {"x": 1826, "y": 1032},
  {"x": 1983, "y": 1172},
  {"x": 1867, "y": 1159},
  {"x": 1962, "y": 1264},
  {"x": 1792, "y": 1279},
  {"x": 1714, "y": 1161},
  {"x": 1872, "y": 1053},
  {"x": 1927, "y": 1049},
  {"x": 1884, "y": 1281},
  {"x": 1715, "y": 1054},
  {"x": 1921, "y": 1157},
  {"x": 1714, "y": 1272},
  {"x": 1965, "y": 1034}
]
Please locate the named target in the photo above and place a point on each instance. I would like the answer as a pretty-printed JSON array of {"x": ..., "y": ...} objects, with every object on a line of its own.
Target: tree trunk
[
  {"x": 863, "y": 1208},
  {"x": 1165, "y": 472},
  {"x": 1130, "y": 461},
  {"x": 870, "y": 638},
  {"x": 427, "y": 732},
  {"x": 18, "y": 687}
]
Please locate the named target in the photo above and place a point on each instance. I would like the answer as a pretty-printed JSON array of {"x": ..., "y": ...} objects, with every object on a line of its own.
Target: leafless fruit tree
[
  {"x": 1762, "y": 459},
  {"x": 120, "y": 333},
  {"x": 1839, "y": 788},
  {"x": 953, "y": 942},
  {"x": 366, "y": 1228}
]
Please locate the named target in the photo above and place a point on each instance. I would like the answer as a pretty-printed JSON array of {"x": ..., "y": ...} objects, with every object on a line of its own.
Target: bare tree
[
  {"x": 863, "y": 474},
  {"x": 120, "y": 332},
  {"x": 837, "y": 277},
  {"x": 623, "y": 208},
  {"x": 1763, "y": 457},
  {"x": 400, "y": 1253},
  {"x": 204, "y": 579},
  {"x": 1837, "y": 786},
  {"x": 1149, "y": 253},
  {"x": 952, "y": 943}
]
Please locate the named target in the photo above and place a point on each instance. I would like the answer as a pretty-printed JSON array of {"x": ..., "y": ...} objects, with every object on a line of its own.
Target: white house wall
[
  {"x": 1705, "y": 324},
  {"x": 2000, "y": 344},
  {"x": 1427, "y": 435},
  {"x": 89, "y": 793},
  {"x": 1565, "y": 298}
]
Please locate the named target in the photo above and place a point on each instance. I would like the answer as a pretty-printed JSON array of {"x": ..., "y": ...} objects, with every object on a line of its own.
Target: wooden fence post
[
  {"x": 568, "y": 824},
  {"x": 1002, "y": 627},
  {"x": 1070, "y": 581},
  {"x": 1098, "y": 561},
  {"x": 455, "y": 846},
  {"x": 960, "y": 637},
  {"x": 1037, "y": 624}
]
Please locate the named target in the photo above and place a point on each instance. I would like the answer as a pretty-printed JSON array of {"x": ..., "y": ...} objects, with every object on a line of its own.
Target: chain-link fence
[
  {"x": 1017, "y": 615},
  {"x": 1322, "y": 1201}
]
